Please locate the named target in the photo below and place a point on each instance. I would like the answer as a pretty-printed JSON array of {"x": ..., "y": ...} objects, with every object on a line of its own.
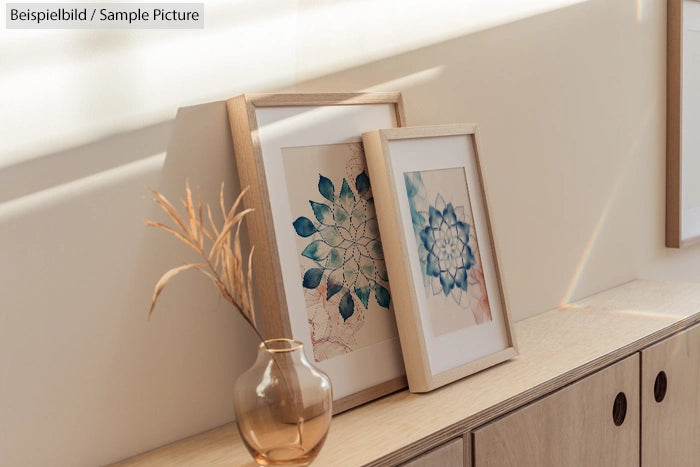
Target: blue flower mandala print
[
  {"x": 446, "y": 240},
  {"x": 442, "y": 236},
  {"x": 344, "y": 251}
]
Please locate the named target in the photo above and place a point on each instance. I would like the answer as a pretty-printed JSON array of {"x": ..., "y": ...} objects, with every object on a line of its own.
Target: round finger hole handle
[
  {"x": 619, "y": 411},
  {"x": 660, "y": 385}
]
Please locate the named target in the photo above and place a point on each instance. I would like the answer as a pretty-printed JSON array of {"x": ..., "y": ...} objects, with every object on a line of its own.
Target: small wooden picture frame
[
  {"x": 449, "y": 302},
  {"x": 682, "y": 120},
  {"x": 318, "y": 264}
]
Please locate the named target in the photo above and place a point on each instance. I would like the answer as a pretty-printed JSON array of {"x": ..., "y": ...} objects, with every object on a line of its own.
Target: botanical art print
[
  {"x": 448, "y": 250},
  {"x": 342, "y": 270}
]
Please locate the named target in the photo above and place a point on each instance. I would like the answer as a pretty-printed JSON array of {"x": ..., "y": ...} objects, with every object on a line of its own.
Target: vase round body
[{"x": 283, "y": 405}]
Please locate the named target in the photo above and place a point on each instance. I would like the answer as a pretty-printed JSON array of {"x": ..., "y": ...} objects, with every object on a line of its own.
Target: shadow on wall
[
  {"x": 571, "y": 130},
  {"x": 203, "y": 345},
  {"x": 65, "y": 167},
  {"x": 73, "y": 306}
]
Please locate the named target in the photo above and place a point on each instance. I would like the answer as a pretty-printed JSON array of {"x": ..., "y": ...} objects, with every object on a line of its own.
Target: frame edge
[
  {"x": 413, "y": 350},
  {"x": 246, "y": 147},
  {"x": 674, "y": 83}
]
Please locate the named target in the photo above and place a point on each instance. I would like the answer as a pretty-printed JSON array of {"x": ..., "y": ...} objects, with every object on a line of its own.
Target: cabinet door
[
  {"x": 450, "y": 454},
  {"x": 592, "y": 422},
  {"x": 671, "y": 401}
]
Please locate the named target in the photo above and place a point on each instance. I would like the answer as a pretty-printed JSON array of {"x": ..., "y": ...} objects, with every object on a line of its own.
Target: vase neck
[
  {"x": 282, "y": 350},
  {"x": 281, "y": 345}
]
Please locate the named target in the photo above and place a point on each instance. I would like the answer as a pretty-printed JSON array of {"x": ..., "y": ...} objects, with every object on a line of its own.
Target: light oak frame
[
  {"x": 273, "y": 305},
  {"x": 674, "y": 127},
  {"x": 380, "y": 163}
]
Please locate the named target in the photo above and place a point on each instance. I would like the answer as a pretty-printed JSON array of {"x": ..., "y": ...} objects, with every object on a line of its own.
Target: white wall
[{"x": 569, "y": 95}]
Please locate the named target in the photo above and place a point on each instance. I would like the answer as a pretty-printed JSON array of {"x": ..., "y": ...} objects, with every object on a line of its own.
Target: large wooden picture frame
[
  {"x": 450, "y": 306},
  {"x": 683, "y": 119},
  {"x": 318, "y": 260}
]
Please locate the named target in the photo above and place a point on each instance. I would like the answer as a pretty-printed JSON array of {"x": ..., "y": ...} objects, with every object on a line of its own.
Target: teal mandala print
[
  {"x": 442, "y": 235},
  {"x": 344, "y": 254}
]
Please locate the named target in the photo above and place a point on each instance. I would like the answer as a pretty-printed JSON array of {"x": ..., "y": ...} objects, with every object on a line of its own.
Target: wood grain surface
[
  {"x": 571, "y": 427},
  {"x": 670, "y": 428},
  {"x": 449, "y": 454},
  {"x": 556, "y": 348}
]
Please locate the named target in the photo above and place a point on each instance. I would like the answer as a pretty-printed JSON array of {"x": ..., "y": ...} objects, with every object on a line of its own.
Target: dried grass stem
[{"x": 222, "y": 261}]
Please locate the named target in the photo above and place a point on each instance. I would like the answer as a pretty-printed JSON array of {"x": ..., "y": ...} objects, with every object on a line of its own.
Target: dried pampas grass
[{"x": 222, "y": 261}]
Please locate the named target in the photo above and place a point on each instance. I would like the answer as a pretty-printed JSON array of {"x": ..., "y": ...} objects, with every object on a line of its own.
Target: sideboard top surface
[{"x": 556, "y": 348}]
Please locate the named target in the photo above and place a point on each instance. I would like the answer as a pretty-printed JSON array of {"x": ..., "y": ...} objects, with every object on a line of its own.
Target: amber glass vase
[{"x": 283, "y": 405}]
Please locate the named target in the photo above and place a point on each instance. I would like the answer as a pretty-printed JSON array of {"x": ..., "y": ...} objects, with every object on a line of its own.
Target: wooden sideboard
[{"x": 560, "y": 402}]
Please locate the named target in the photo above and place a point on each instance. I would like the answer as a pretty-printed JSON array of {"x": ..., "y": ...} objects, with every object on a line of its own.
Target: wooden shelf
[{"x": 556, "y": 348}]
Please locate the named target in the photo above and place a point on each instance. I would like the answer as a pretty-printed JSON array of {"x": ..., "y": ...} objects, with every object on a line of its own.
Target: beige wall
[{"x": 569, "y": 96}]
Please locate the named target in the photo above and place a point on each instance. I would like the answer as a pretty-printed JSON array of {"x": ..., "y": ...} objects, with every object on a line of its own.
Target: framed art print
[
  {"x": 682, "y": 120},
  {"x": 319, "y": 263},
  {"x": 450, "y": 307}
]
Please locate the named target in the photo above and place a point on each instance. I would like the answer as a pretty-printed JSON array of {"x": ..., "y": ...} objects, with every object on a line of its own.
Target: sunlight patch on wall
[
  {"x": 588, "y": 251},
  {"x": 62, "y": 88},
  {"x": 409, "y": 80},
  {"x": 334, "y": 35}
]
